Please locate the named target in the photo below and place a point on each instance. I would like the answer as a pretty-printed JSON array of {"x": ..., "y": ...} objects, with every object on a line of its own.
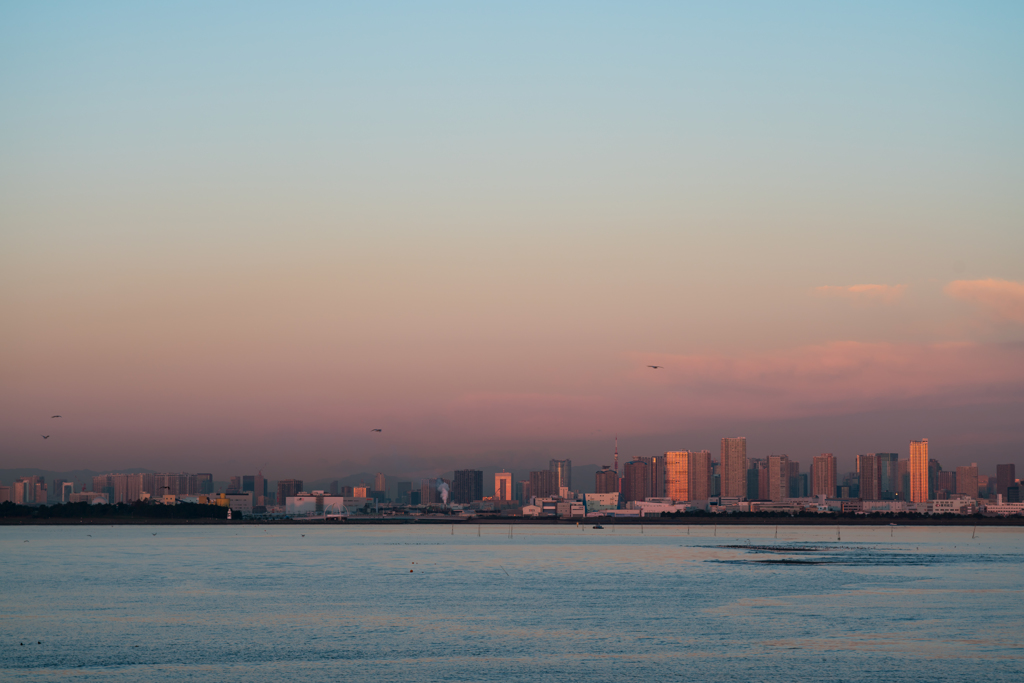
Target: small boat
[{"x": 597, "y": 526}]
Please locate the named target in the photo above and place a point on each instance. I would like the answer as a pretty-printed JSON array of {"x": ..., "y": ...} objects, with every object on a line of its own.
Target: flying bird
[
  {"x": 656, "y": 367},
  {"x": 53, "y": 416},
  {"x": 376, "y": 430},
  {"x": 45, "y": 436}
]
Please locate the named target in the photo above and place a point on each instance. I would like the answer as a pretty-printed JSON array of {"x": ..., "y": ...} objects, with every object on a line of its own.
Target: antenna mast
[{"x": 616, "y": 454}]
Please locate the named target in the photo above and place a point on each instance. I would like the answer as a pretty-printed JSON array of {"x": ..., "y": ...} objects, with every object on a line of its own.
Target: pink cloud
[
  {"x": 883, "y": 293},
  {"x": 843, "y": 377},
  {"x": 1004, "y": 299},
  {"x": 836, "y": 378}
]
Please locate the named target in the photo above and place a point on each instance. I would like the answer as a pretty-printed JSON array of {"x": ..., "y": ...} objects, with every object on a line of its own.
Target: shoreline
[{"x": 731, "y": 520}]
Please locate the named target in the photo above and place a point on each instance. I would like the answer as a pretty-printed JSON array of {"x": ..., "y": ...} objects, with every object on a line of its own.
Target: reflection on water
[{"x": 253, "y": 603}]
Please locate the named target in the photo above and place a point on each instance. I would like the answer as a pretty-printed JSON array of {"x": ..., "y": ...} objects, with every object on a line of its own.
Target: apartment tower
[
  {"x": 919, "y": 471},
  {"x": 734, "y": 467},
  {"x": 823, "y": 475}
]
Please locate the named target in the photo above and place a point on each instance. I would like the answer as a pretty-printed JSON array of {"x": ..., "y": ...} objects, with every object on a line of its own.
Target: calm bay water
[{"x": 249, "y": 603}]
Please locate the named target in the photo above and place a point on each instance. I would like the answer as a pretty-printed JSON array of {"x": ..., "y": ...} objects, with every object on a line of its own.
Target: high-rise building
[
  {"x": 985, "y": 484},
  {"x": 757, "y": 479},
  {"x": 29, "y": 491},
  {"x": 869, "y": 467},
  {"x": 823, "y": 475},
  {"x": 888, "y": 468},
  {"x": 795, "y": 489},
  {"x": 677, "y": 475},
  {"x": 734, "y": 466},
  {"x": 248, "y": 483},
  {"x": 288, "y": 488},
  {"x": 606, "y": 480},
  {"x": 903, "y": 480},
  {"x": 700, "y": 475},
  {"x": 428, "y": 491},
  {"x": 778, "y": 477},
  {"x": 503, "y": 486},
  {"x": 563, "y": 470},
  {"x": 235, "y": 485},
  {"x": 687, "y": 475},
  {"x": 334, "y": 488},
  {"x": 945, "y": 485},
  {"x": 967, "y": 480},
  {"x": 543, "y": 484},
  {"x": 523, "y": 492},
  {"x": 205, "y": 482},
  {"x": 380, "y": 482},
  {"x": 259, "y": 489},
  {"x": 919, "y": 467},
  {"x": 636, "y": 481},
  {"x": 468, "y": 486},
  {"x": 656, "y": 475},
  {"x": 1006, "y": 475},
  {"x": 933, "y": 474},
  {"x": 404, "y": 487}
]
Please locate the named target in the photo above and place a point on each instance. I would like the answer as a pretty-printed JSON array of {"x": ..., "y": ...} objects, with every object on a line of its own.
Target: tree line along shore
[{"x": 186, "y": 513}]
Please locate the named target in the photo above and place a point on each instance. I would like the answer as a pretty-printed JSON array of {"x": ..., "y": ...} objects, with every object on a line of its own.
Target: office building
[
  {"x": 563, "y": 470},
  {"x": 523, "y": 492},
  {"x": 869, "y": 470},
  {"x": 380, "y": 482},
  {"x": 778, "y": 477},
  {"x": 636, "y": 481},
  {"x": 677, "y": 475},
  {"x": 733, "y": 461},
  {"x": 429, "y": 495},
  {"x": 656, "y": 476},
  {"x": 404, "y": 488},
  {"x": 945, "y": 485},
  {"x": 888, "y": 464},
  {"x": 1006, "y": 476},
  {"x": 967, "y": 480},
  {"x": 823, "y": 475},
  {"x": 606, "y": 480},
  {"x": 687, "y": 475},
  {"x": 288, "y": 488},
  {"x": 919, "y": 471},
  {"x": 543, "y": 484},
  {"x": 903, "y": 480},
  {"x": 468, "y": 486},
  {"x": 503, "y": 486},
  {"x": 757, "y": 479}
]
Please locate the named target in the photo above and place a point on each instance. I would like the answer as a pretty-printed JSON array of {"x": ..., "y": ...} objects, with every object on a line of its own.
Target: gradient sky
[{"x": 237, "y": 233}]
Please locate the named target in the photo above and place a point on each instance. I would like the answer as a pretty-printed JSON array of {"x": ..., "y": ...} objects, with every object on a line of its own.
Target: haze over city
[{"x": 234, "y": 235}]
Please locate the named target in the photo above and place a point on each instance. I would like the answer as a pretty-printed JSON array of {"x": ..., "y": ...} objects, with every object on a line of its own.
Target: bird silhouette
[
  {"x": 45, "y": 436},
  {"x": 376, "y": 430},
  {"x": 656, "y": 367},
  {"x": 53, "y": 416}
]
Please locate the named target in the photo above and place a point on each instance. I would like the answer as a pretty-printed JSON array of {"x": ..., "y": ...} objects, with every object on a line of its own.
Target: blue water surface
[{"x": 468, "y": 603}]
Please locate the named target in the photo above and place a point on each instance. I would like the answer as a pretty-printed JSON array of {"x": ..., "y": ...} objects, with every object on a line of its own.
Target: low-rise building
[
  {"x": 1003, "y": 509},
  {"x": 596, "y": 502},
  {"x": 570, "y": 508},
  {"x": 91, "y": 497}
]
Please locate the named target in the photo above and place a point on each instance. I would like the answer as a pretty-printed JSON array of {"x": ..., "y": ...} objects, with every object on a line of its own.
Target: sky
[{"x": 244, "y": 234}]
